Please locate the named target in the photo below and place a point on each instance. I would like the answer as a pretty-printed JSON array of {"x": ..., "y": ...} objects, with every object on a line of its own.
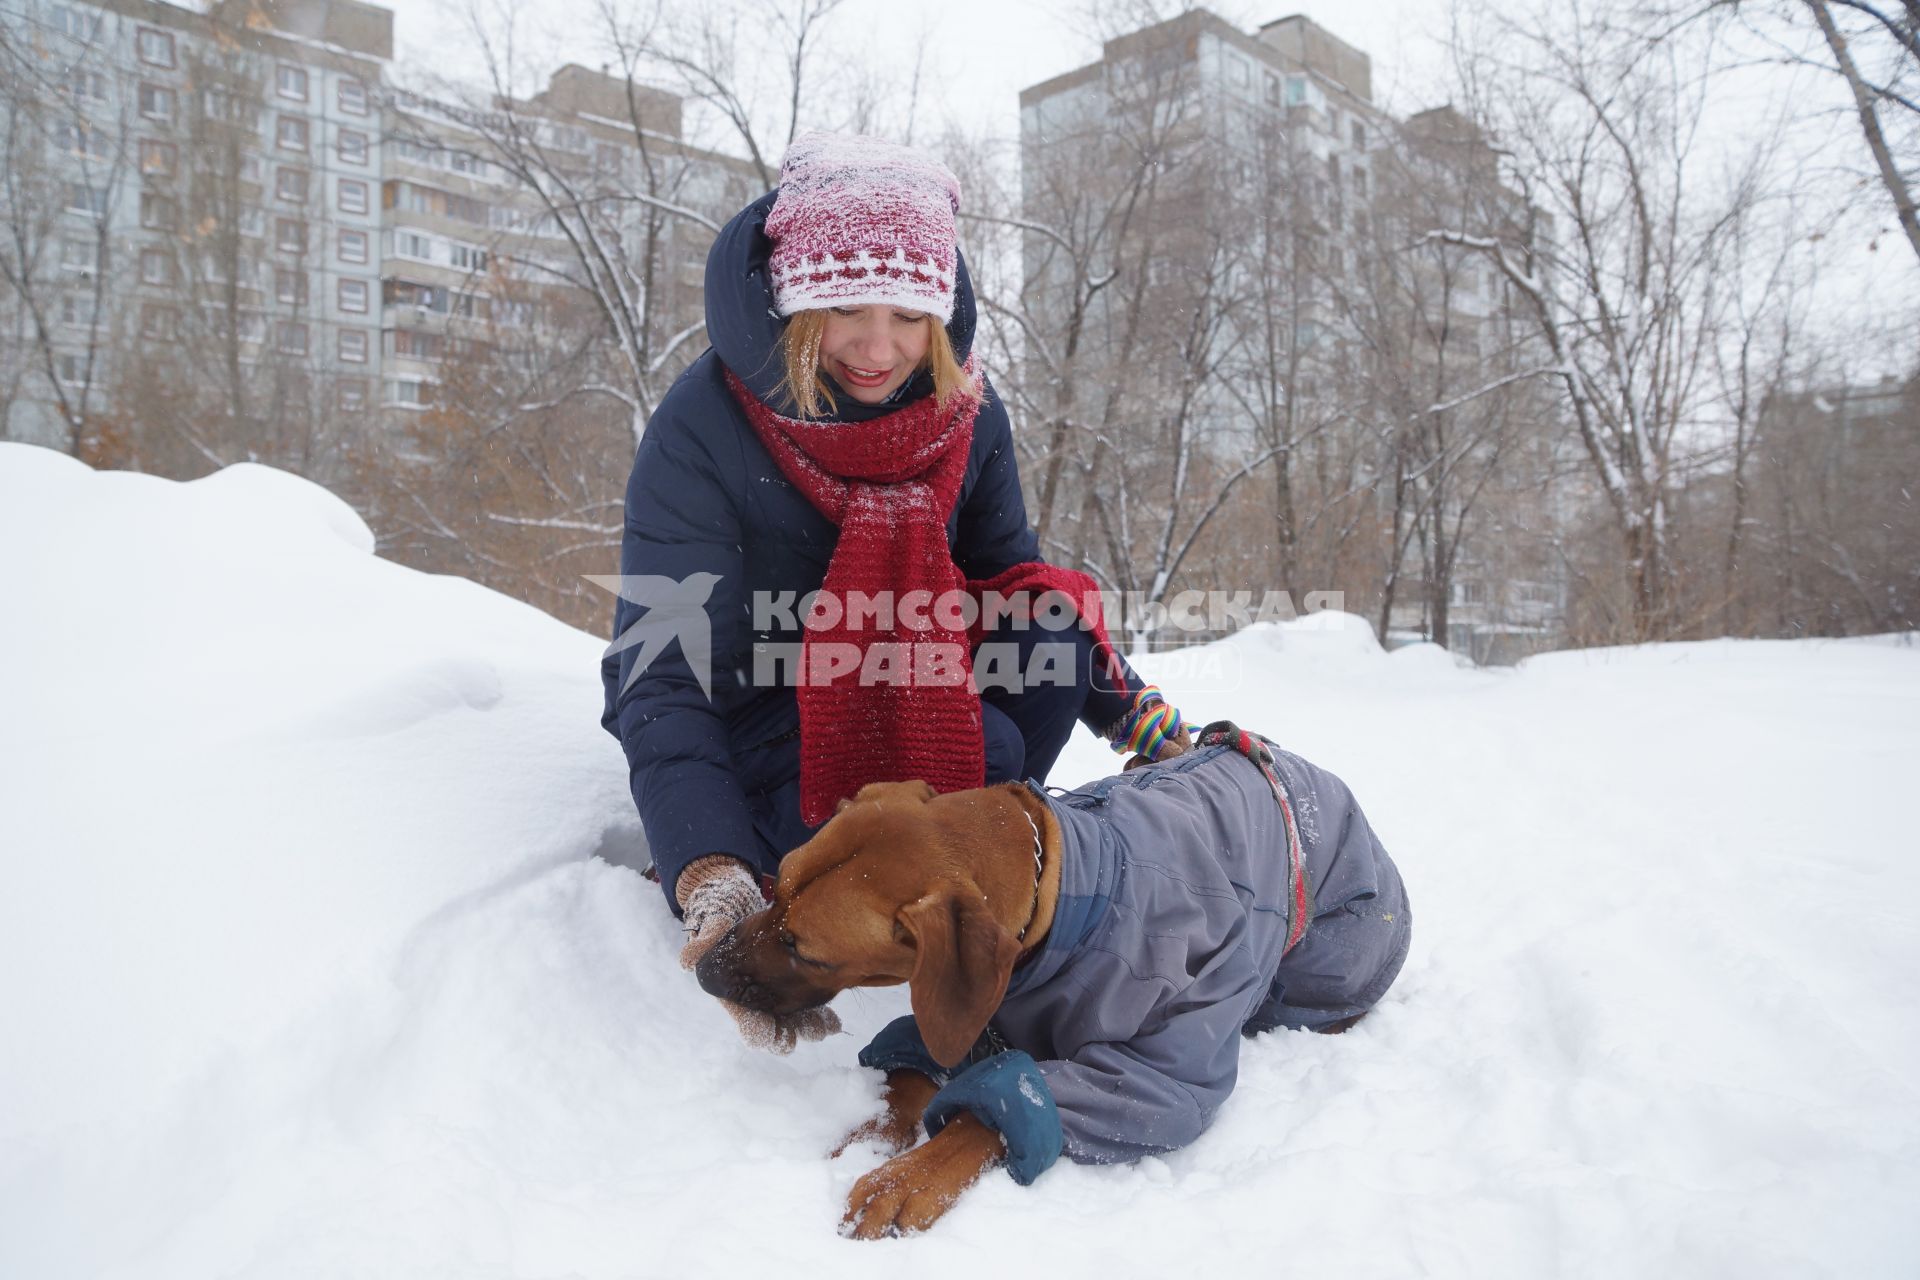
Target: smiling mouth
[{"x": 865, "y": 377}]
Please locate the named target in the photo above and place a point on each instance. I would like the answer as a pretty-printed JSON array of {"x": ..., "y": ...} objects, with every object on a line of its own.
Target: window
[
  {"x": 156, "y": 103},
  {"x": 411, "y": 244},
  {"x": 291, "y": 83},
  {"x": 71, "y": 369},
  {"x": 157, "y": 322},
  {"x": 1296, "y": 90},
  {"x": 352, "y": 295},
  {"x": 289, "y": 235},
  {"x": 82, "y": 140},
  {"x": 1239, "y": 70},
  {"x": 156, "y": 47},
  {"x": 1359, "y": 136},
  {"x": 291, "y": 133},
  {"x": 468, "y": 258},
  {"x": 353, "y": 246},
  {"x": 156, "y": 266},
  {"x": 251, "y": 327},
  {"x": 77, "y": 23},
  {"x": 353, "y": 196},
  {"x": 415, "y": 345},
  {"x": 85, "y": 84},
  {"x": 353, "y": 394},
  {"x": 89, "y": 200},
  {"x": 1360, "y": 181},
  {"x": 80, "y": 255},
  {"x": 405, "y": 293},
  {"x": 352, "y": 96},
  {"x": 290, "y": 288},
  {"x": 417, "y": 199},
  {"x": 253, "y": 223},
  {"x": 157, "y": 212},
  {"x": 77, "y": 309},
  {"x": 290, "y": 338},
  {"x": 157, "y": 158},
  {"x": 463, "y": 162},
  {"x": 410, "y": 393},
  {"x": 218, "y": 103},
  {"x": 251, "y": 168},
  {"x": 291, "y": 185},
  {"x": 352, "y": 145},
  {"x": 353, "y": 346},
  {"x": 1273, "y": 91}
]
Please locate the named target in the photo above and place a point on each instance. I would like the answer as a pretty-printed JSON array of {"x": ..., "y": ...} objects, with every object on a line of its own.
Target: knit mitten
[
  {"x": 717, "y": 892},
  {"x": 1152, "y": 731}
]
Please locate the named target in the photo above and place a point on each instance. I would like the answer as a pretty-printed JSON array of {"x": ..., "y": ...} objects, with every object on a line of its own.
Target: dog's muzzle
[{"x": 738, "y": 969}]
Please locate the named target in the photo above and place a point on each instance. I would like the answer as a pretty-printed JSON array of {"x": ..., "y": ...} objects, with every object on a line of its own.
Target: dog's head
[{"x": 883, "y": 894}]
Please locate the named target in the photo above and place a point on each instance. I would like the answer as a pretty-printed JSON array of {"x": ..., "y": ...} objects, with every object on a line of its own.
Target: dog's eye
[{"x": 787, "y": 940}]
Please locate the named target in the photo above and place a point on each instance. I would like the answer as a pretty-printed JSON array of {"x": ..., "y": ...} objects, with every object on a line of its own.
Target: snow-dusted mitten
[{"x": 717, "y": 892}]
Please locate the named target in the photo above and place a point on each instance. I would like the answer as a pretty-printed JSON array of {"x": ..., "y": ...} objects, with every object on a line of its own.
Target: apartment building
[
  {"x": 1231, "y": 237},
  {"x": 235, "y": 212},
  {"x": 471, "y": 246},
  {"x": 1269, "y": 134},
  {"x": 197, "y": 202}
]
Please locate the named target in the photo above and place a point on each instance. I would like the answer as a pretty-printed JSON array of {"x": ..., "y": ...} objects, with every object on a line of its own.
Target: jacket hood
[{"x": 745, "y": 331}]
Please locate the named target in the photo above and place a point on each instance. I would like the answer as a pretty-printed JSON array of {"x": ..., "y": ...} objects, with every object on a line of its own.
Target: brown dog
[
  {"x": 1162, "y": 915},
  {"x": 939, "y": 892}
]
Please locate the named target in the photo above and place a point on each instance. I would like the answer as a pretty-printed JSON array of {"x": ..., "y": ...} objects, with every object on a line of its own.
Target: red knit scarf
[{"x": 890, "y": 484}]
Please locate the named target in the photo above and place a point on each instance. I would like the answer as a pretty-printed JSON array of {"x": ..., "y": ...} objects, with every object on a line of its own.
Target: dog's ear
[{"x": 963, "y": 959}]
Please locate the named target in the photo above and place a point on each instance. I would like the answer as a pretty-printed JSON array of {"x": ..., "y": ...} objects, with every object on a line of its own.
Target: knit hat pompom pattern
[{"x": 861, "y": 221}]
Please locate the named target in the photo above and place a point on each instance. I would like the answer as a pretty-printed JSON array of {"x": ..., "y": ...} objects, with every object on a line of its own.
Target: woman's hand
[{"x": 717, "y": 892}]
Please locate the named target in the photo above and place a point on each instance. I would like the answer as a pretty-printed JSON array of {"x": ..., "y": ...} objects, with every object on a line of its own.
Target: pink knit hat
[{"x": 858, "y": 221}]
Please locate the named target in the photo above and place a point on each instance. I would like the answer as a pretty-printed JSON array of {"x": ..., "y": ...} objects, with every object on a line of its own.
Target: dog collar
[{"x": 1039, "y": 867}]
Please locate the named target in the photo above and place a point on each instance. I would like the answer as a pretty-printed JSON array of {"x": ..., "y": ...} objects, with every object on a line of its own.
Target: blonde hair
[{"x": 807, "y": 392}]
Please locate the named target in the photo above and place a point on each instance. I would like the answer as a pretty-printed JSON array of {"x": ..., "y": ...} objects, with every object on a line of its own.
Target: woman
[{"x": 836, "y": 437}]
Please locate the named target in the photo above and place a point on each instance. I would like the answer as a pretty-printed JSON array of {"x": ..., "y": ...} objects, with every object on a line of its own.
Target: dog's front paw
[{"x": 911, "y": 1192}]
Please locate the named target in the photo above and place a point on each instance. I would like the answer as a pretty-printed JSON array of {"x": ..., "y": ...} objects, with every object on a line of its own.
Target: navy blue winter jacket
[{"x": 706, "y": 497}]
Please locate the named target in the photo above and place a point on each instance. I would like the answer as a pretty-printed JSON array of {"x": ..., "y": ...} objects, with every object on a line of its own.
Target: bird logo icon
[{"x": 671, "y": 610}]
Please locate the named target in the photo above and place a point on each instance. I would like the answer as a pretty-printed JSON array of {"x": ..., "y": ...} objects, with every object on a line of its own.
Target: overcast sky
[{"x": 979, "y": 53}]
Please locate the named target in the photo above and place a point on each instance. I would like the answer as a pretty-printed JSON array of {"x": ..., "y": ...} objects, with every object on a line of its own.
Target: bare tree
[
  {"x": 1620, "y": 273},
  {"x": 65, "y": 160},
  {"x": 1870, "y": 46}
]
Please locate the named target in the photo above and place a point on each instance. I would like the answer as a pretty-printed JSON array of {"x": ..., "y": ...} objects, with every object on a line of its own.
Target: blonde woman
[{"x": 838, "y": 438}]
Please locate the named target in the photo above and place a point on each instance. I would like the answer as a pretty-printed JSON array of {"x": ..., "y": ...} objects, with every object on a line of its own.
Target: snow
[{"x": 308, "y": 966}]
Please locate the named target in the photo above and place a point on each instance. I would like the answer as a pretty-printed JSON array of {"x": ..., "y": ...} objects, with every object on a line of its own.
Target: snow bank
[{"x": 308, "y": 968}]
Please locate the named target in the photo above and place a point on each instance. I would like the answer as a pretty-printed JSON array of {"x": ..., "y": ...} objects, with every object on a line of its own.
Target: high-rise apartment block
[{"x": 241, "y": 199}]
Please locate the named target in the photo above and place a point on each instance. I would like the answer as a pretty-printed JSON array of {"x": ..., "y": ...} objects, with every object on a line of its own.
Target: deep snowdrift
[{"x": 308, "y": 968}]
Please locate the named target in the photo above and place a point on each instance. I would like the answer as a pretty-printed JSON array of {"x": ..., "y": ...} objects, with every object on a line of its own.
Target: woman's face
[{"x": 872, "y": 350}]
